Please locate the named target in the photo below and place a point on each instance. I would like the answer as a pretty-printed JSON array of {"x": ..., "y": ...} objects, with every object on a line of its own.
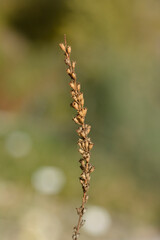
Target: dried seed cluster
[{"x": 84, "y": 142}]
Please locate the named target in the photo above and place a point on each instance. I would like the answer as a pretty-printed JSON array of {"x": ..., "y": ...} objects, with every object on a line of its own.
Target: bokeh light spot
[
  {"x": 48, "y": 180},
  {"x": 98, "y": 221},
  {"x": 18, "y": 144}
]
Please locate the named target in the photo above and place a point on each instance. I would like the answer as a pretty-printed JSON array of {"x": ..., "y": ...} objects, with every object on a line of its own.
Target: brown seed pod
[
  {"x": 87, "y": 159},
  {"x": 80, "y": 96},
  {"x": 79, "y": 130},
  {"x": 87, "y": 129},
  {"x": 72, "y": 85},
  {"x": 68, "y": 71},
  {"x": 81, "y": 180},
  {"x": 82, "y": 102},
  {"x": 83, "y": 168},
  {"x": 86, "y": 145},
  {"x": 88, "y": 176},
  {"x": 75, "y": 105},
  {"x": 62, "y": 47},
  {"x": 83, "y": 112},
  {"x": 69, "y": 49},
  {"x": 90, "y": 146},
  {"x": 68, "y": 62},
  {"x": 74, "y": 98},
  {"x": 73, "y": 75},
  {"x": 73, "y": 64},
  {"x": 81, "y": 119},
  {"x": 83, "y": 176},
  {"x": 81, "y": 151},
  {"x": 78, "y": 87},
  {"x": 92, "y": 169},
  {"x": 82, "y": 134},
  {"x": 76, "y": 120},
  {"x": 80, "y": 144},
  {"x": 73, "y": 93},
  {"x": 83, "y": 163}
]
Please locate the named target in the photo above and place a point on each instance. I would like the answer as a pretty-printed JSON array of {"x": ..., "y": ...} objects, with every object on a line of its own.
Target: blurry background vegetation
[{"x": 117, "y": 48}]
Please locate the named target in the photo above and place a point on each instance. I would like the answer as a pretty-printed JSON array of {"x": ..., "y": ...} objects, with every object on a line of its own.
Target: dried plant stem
[{"x": 84, "y": 142}]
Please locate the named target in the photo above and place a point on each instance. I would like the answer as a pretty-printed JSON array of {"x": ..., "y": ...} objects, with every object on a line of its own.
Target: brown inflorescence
[{"x": 84, "y": 143}]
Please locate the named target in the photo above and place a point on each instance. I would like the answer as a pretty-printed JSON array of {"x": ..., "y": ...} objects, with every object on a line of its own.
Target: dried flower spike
[{"x": 84, "y": 142}]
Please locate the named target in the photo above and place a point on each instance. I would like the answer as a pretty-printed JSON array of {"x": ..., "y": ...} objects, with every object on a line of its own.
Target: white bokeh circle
[
  {"x": 48, "y": 180},
  {"x": 18, "y": 144},
  {"x": 98, "y": 221},
  {"x": 38, "y": 224}
]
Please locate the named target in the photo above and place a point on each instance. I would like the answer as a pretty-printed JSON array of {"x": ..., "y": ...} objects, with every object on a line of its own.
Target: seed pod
[
  {"x": 80, "y": 96},
  {"x": 78, "y": 87},
  {"x": 83, "y": 145},
  {"x": 89, "y": 167},
  {"x": 62, "y": 47},
  {"x": 83, "y": 163},
  {"x": 79, "y": 130},
  {"x": 92, "y": 169},
  {"x": 76, "y": 120},
  {"x": 78, "y": 210},
  {"x": 81, "y": 181},
  {"x": 88, "y": 176},
  {"x": 68, "y": 71},
  {"x": 82, "y": 134},
  {"x": 87, "y": 188},
  {"x": 87, "y": 159},
  {"x": 87, "y": 129},
  {"x": 69, "y": 49},
  {"x": 83, "y": 176},
  {"x": 81, "y": 119},
  {"x": 85, "y": 155},
  {"x": 83, "y": 168},
  {"x": 80, "y": 144},
  {"x": 68, "y": 62},
  {"x": 83, "y": 112},
  {"x": 73, "y": 65},
  {"x": 72, "y": 93},
  {"x": 81, "y": 151},
  {"x": 82, "y": 102},
  {"x": 74, "y": 237},
  {"x": 90, "y": 146},
  {"x": 74, "y": 98},
  {"x": 72, "y": 85},
  {"x": 86, "y": 145},
  {"x": 74, "y": 76},
  {"x": 75, "y": 105}
]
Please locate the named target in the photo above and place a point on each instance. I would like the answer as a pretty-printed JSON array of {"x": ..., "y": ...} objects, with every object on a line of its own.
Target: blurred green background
[{"x": 116, "y": 45}]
